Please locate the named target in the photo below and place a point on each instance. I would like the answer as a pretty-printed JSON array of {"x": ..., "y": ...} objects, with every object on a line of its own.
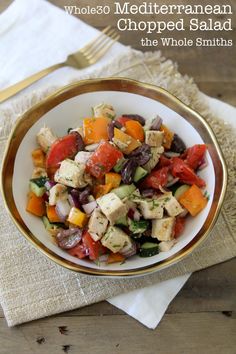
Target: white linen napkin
[{"x": 32, "y": 39}]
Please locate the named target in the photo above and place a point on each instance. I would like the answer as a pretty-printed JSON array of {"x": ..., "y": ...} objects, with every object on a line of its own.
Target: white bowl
[{"x": 66, "y": 109}]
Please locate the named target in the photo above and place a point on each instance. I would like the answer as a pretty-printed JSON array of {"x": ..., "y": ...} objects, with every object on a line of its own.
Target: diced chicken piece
[
  {"x": 39, "y": 172},
  {"x": 71, "y": 174},
  {"x": 82, "y": 157},
  {"x": 115, "y": 239},
  {"x": 45, "y": 138},
  {"x": 154, "y": 138},
  {"x": 162, "y": 229},
  {"x": 97, "y": 223},
  {"x": 57, "y": 192},
  {"x": 156, "y": 152},
  {"x": 104, "y": 110},
  {"x": 112, "y": 207},
  {"x": 151, "y": 208},
  {"x": 173, "y": 207},
  {"x": 165, "y": 246}
]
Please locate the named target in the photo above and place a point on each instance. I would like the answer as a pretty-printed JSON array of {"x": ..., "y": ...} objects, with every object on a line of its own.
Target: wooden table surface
[{"x": 202, "y": 317}]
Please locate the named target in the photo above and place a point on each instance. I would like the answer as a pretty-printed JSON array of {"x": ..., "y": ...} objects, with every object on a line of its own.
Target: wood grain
[
  {"x": 205, "y": 333},
  {"x": 202, "y": 317}
]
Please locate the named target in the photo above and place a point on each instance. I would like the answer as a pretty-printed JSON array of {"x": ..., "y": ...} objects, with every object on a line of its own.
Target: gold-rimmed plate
[{"x": 66, "y": 108}]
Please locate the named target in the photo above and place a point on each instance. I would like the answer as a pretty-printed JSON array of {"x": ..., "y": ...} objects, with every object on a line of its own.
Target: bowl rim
[{"x": 31, "y": 116}]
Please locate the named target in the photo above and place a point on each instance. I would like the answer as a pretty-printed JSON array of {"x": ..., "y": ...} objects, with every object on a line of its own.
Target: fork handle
[{"x": 14, "y": 89}]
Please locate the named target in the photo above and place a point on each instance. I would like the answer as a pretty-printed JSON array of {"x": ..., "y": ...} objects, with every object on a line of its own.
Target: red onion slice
[
  {"x": 73, "y": 201},
  {"x": 49, "y": 184},
  {"x": 134, "y": 214},
  {"x": 137, "y": 215},
  {"x": 203, "y": 164},
  {"x": 62, "y": 209},
  {"x": 83, "y": 196},
  {"x": 172, "y": 182},
  {"x": 148, "y": 193},
  {"x": 156, "y": 123},
  {"x": 171, "y": 154},
  {"x": 129, "y": 250},
  {"x": 89, "y": 207}
]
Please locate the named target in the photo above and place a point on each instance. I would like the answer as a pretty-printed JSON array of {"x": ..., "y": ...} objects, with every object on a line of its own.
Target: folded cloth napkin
[{"x": 42, "y": 288}]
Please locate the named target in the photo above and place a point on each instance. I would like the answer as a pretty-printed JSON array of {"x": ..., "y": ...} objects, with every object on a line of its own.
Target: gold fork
[{"x": 85, "y": 57}]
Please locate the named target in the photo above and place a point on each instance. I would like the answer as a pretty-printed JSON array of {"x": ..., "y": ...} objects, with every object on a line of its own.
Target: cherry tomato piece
[
  {"x": 103, "y": 159},
  {"x": 185, "y": 174},
  {"x": 63, "y": 148},
  {"x": 79, "y": 251},
  {"x": 156, "y": 179},
  {"x": 179, "y": 226},
  {"x": 195, "y": 155},
  {"x": 163, "y": 162},
  {"x": 95, "y": 249}
]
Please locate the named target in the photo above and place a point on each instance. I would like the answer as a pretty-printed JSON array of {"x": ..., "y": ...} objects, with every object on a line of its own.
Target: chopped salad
[{"x": 116, "y": 186}]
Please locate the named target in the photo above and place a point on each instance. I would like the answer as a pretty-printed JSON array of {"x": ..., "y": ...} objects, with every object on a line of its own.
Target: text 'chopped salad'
[{"x": 116, "y": 186}]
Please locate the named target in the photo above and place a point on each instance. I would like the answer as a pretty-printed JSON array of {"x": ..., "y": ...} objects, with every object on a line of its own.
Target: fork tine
[
  {"x": 98, "y": 54},
  {"x": 98, "y": 43},
  {"x": 93, "y": 41}
]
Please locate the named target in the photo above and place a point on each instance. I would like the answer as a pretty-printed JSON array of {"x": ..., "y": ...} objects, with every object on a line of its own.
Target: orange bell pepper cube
[
  {"x": 35, "y": 205},
  {"x": 113, "y": 178},
  {"x": 52, "y": 214},
  {"x": 168, "y": 136},
  {"x": 115, "y": 257},
  {"x": 131, "y": 143},
  {"x": 101, "y": 190},
  {"x": 134, "y": 129},
  {"x": 95, "y": 130},
  {"x": 193, "y": 200},
  {"x": 38, "y": 158}
]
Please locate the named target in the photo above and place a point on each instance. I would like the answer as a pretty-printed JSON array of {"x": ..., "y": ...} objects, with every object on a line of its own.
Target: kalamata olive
[
  {"x": 79, "y": 142},
  {"x": 136, "y": 117},
  {"x": 140, "y": 149},
  {"x": 178, "y": 145},
  {"x": 110, "y": 130},
  {"x": 128, "y": 170},
  {"x": 142, "y": 154},
  {"x": 68, "y": 239},
  {"x": 156, "y": 123},
  {"x": 143, "y": 158},
  {"x": 117, "y": 124},
  {"x": 146, "y": 193},
  {"x": 83, "y": 196},
  {"x": 66, "y": 232}
]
